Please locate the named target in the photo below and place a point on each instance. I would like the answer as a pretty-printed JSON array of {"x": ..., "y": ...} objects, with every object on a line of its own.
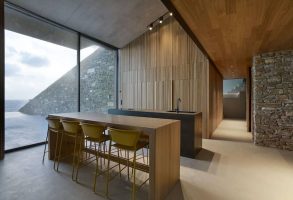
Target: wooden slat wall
[
  {"x": 215, "y": 99},
  {"x": 161, "y": 66}
]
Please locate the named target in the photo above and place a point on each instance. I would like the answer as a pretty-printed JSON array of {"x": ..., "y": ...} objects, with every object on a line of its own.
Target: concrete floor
[
  {"x": 232, "y": 130},
  {"x": 223, "y": 170},
  {"x": 23, "y": 176}
]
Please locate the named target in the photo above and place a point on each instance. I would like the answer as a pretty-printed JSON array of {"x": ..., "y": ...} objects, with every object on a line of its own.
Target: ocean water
[
  {"x": 14, "y": 105},
  {"x": 22, "y": 129}
]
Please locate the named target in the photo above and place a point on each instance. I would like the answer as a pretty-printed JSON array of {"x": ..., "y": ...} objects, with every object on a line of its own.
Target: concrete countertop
[{"x": 161, "y": 111}]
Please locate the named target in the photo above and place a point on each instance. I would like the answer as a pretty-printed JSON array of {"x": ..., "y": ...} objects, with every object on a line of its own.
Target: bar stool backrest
[
  {"x": 71, "y": 127},
  {"x": 94, "y": 131},
  {"x": 54, "y": 123},
  {"x": 125, "y": 137}
]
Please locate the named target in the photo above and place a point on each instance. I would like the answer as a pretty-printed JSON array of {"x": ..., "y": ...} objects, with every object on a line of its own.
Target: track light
[
  {"x": 159, "y": 20},
  {"x": 150, "y": 27}
]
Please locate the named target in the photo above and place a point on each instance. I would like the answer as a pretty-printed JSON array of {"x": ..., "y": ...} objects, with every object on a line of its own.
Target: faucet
[{"x": 177, "y": 105}]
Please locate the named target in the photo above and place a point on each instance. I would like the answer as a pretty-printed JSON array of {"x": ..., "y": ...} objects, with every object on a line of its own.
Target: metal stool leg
[
  {"x": 56, "y": 149},
  {"x": 97, "y": 166},
  {"x": 108, "y": 170},
  {"x": 45, "y": 149},
  {"x": 73, "y": 160},
  {"x": 134, "y": 170},
  {"x": 60, "y": 150},
  {"x": 78, "y": 161}
]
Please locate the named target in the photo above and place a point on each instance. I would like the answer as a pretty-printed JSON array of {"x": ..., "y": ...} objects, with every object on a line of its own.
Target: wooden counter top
[{"x": 108, "y": 119}]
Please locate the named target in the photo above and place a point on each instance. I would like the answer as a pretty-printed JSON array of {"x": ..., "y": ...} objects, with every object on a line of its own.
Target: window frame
[{"x": 9, "y": 5}]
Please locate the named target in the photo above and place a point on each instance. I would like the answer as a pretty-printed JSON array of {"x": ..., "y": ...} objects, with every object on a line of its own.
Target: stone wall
[
  {"x": 97, "y": 88},
  {"x": 272, "y": 100}
]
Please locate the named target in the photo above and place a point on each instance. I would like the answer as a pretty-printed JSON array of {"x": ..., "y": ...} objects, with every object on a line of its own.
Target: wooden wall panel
[
  {"x": 162, "y": 65},
  {"x": 215, "y": 98}
]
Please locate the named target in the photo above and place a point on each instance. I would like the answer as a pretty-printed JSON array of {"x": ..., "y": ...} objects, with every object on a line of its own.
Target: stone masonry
[
  {"x": 97, "y": 88},
  {"x": 272, "y": 99}
]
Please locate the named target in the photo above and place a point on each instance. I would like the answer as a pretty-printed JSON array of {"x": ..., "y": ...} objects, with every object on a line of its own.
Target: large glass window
[
  {"x": 41, "y": 76},
  {"x": 97, "y": 77}
]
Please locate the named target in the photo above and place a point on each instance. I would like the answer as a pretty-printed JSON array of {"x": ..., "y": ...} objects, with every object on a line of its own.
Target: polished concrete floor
[
  {"x": 231, "y": 167},
  {"x": 232, "y": 130},
  {"x": 223, "y": 170}
]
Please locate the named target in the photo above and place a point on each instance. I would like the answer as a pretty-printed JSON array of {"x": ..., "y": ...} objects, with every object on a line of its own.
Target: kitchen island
[
  {"x": 190, "y": 130},
  {"x": 164, "y": 145}
]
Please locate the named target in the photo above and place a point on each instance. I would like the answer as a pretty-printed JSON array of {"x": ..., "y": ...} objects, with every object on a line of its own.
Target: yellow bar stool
[
  {"x": 71, "y": 129},
  {"x": 127, "y": 140},
  {"x": 93, "y": 134},
  {"x": 54, "y": 126}
]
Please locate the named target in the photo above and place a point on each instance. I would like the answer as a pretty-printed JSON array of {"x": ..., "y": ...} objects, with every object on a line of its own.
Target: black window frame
[{"x": 2, "y": 70}]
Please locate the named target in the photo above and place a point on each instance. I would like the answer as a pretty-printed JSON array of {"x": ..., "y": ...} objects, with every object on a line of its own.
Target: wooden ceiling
[{"x": 232, "y": 31}]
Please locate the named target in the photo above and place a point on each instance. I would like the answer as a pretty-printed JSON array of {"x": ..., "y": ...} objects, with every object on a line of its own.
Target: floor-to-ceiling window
[
  {"x": 97, "y": 76},
  {"x": 43, "y": 75},
  {"x": 40, "y": 76}
]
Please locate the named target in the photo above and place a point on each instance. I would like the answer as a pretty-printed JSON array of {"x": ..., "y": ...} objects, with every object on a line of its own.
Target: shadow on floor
[
  {"x": 176, "y": 193},
  {"x": 201, "y": 162},
  {"x": 205, "y": 155},
  {"x": 286, "y": 156}
]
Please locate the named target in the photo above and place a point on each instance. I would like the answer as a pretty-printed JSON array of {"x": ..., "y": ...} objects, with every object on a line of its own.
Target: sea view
[{"x": 22, "y": 129}]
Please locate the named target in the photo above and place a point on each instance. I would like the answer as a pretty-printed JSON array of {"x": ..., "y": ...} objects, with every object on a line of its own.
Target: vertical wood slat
[
  {"x": 163, "y": 65},
  {"x": 2, "y": 82}
]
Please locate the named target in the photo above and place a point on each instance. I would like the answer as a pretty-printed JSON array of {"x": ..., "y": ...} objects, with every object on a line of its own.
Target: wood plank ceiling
[{"x": 232, "y": 31}]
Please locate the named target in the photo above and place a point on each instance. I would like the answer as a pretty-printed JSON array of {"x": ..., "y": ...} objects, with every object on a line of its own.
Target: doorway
[{"x": 234, "y": 124}]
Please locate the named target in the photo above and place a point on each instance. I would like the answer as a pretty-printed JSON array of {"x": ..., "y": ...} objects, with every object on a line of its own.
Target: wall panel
[
  {"x": 215, "y": 98},
  {"x": 162, "y": 65}
]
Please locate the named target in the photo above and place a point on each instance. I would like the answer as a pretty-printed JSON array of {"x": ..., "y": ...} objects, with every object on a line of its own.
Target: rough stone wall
[
  {"x": 272, "y": 85},
  {"x": 97, "y": 88},
  {"x": 98, "y": 82}
]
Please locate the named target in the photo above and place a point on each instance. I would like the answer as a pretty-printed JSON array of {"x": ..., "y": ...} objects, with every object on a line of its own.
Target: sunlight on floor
[{"x": 232, "y": 130}]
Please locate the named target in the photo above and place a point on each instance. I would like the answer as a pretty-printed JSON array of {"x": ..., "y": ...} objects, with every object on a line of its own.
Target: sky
[
  {"x": 231, "y": 84},
  {"x": 32, "y": 65}
]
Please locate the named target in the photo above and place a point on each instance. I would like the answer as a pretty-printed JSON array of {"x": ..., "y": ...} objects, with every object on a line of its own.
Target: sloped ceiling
[
  {"x": 233, "y": 31},
  {"x": 116, "y": 22}
]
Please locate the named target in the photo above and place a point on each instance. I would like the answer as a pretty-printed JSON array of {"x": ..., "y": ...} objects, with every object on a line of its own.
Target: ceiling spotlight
[
  {"x": 171, "y": 14},
  {"x": 161, "y": 20},
  {"x": 150, "y": 27}
]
